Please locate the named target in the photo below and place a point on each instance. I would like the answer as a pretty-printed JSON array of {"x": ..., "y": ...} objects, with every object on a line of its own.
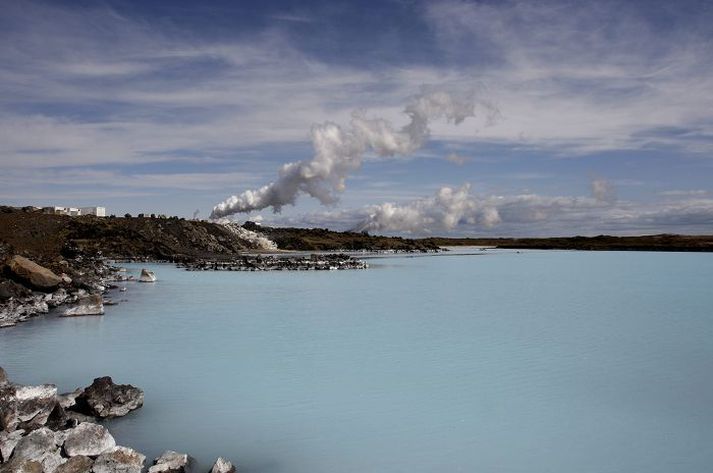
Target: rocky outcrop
[
  {"x": 119, "y": 460},
  {"x": 222, "y": 466},
  {"x": 41, "y": 434},
  {"x": 171, "y": 462},
  {"x": 26, "y": 407},
  {"x": 147, "y": 276},
  {"x": 92, "y": 304},
  {"x": 32, "y": 274},
  {"x": 88, "y": 439},
  {"x": 104, "y": 399}
]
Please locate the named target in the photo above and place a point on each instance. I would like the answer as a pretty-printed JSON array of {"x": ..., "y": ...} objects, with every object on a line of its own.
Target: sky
[{"x": 578, "y": 118}]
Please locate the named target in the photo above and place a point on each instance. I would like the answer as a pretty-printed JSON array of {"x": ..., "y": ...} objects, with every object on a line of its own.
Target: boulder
[
  {"x": 78, "y": 464},
  {"x": 104, "y": 399},
  {"x": 119, "y": 460},
  {"x": 31, "y": 273},
  {"x": 87, "y": 439},
  {"x": 67, "y": 400},
  {"x": 3, "y": 377},
  {"x": 17, "y": 465},
  {"x": 147, "y": 276},
  {"x": 8, "y": 442},
  {"x": 222, "y": 466},
  {"x": 11, "y": 289},
  {"x": 89, "y": 305},
  {"x": 171, "y": 462},
  {"x": 40, "y": 446},
  {"x": 26, "y": 406}
]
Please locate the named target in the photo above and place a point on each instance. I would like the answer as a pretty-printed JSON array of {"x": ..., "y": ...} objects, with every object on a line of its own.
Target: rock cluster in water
[
  {"x": 45, "y": 432},
  {"x": 28, "y": 289},
  {"x": 313, "y": 262}
]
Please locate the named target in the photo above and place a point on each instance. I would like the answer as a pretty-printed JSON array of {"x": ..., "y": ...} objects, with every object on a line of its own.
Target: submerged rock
[
  {"x": 33, "y": 274},
  {"x": 104, "y": 399},
  {"x": 88, "y": 439},
  {"x": 119, "y": 460},
  {"x": 147, "y": 276},
  {"x": 89, "y": 305},
  {"x": 222, "y": 466},
  {"x": 171, "y": 462}
]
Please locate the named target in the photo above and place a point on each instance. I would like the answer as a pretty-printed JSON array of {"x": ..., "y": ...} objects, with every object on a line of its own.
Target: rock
[
  {"x": 9, "y": 289},
  {"x": 171, "y": 462},
  {"x": 65, "y": 278},
  {"x": 8, "y": 442},
  {"x": 3, "y": 377},
  {"x": 21, "y": 466},
  {"x": 104, "y": 399},
  {"x": 29, "y": 272},
  {"x": 26, "y": 406},
  {"x": 119, "y": 460},
  {"x": 41, "y": 446},
  {"x": 89, "y": 305},
  {"x": 78, "y": 464},
  {"x": 222, "y": 466},
  {"x": 88, "y": 439},
  {"x": 67, "y": 400},
  {"x": 147, "y": 276}
]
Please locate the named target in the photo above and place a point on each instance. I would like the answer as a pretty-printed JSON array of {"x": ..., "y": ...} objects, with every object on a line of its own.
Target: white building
[
  {"x": 96, "y": 211},
  {"x": 75, "y": 211}
]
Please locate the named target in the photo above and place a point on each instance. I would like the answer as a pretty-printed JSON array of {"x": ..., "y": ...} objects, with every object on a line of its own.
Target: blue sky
[{"x": 604, "y": 118}]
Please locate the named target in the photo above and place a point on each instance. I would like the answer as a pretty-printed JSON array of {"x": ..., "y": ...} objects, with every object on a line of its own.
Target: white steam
[
  {"x": 339, "y": 151},
  {"x": 446, "y": 210}
]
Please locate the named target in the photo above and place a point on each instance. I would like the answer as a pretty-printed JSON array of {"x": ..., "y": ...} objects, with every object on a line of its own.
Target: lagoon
[{"x": 532, "y": 361}]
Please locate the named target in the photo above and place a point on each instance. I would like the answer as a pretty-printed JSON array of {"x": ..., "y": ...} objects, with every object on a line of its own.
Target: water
[{"x": 507, "y": 362}]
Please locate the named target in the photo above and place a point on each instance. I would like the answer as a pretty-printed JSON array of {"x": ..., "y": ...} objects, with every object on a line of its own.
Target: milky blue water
[{"x": 506, "y": 362}]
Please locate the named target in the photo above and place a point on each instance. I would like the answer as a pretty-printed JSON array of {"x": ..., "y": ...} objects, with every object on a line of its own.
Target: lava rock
[
  {"x": 78, "y": 464},
  {"x": 222, "y": 466},
  {"x": 8, "y": 442},
  {"x": 104, "y": 399},
  {"x": 41, "y": 446},
  {"x": 119, "y": 460},
  {"x": 171, "y": 462},
  {"x": 88, "y": 439},
  {"x": 31, "y": 273},
  {"x": 26, "y": 406}
]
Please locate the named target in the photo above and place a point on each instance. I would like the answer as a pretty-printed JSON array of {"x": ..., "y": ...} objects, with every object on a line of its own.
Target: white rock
[
  {"x": 88, "y": 439},
  {"x": 90, "y": 305},
  {"x": 222, "y": 466},
  {"x": 170, "y": 462},
  {"x": 147, "y": 276}
]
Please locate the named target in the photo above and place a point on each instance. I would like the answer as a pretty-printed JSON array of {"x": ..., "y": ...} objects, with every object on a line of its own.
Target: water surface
[{"x": 507, "y": 362}]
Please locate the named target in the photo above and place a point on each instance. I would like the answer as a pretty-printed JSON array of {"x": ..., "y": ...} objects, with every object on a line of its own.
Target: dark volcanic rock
[
  {"x": 104, "y": 399},
  {"x": 32, "y": 274},
  {"x": 171, "y": 462}
]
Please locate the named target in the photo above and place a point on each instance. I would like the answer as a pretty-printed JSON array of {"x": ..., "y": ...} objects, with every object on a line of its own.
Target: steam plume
[
  {"x": 339, "y": 151},
  {"x": 445, "y": 210}
]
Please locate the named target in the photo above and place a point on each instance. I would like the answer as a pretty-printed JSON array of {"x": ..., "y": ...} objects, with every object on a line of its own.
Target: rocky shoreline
[
  {"x": 313, "y": 262},
  {"x": 28, "y": 289},
  {"x": 42, "y": 431}
]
